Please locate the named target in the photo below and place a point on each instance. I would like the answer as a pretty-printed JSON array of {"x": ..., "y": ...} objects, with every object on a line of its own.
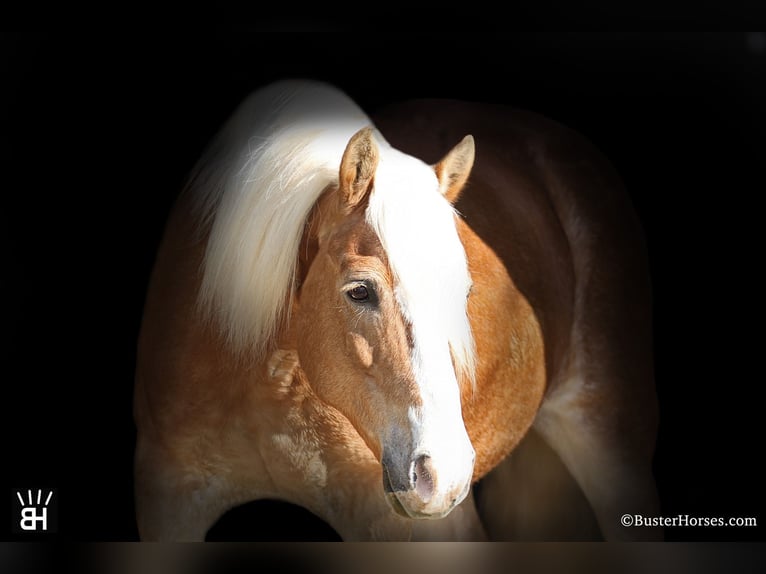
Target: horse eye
[{"x": 359, "y": 293}]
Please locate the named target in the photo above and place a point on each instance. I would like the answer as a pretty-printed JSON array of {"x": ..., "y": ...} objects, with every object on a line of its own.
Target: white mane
[{"x": 255, "y": 187}]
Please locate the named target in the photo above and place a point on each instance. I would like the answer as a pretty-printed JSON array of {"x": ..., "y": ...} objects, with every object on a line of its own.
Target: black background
[{"x": 99, "y": 131}]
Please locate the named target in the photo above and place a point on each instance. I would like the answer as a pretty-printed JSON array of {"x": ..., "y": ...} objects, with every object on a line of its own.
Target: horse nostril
[{"x": 422, "y": 478}]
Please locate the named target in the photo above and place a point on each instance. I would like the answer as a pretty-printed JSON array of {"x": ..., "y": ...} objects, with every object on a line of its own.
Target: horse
[{"x": 417, "y": 327}]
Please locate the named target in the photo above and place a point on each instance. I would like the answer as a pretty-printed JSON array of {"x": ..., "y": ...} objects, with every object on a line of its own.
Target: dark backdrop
[{"x": 99, "y": 131}]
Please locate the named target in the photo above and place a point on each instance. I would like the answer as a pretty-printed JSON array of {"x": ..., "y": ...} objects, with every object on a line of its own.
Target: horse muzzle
[{"x": 425, "y": 491}]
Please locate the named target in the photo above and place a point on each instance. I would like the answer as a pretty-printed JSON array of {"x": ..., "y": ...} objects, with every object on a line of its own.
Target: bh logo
[{"x": 36, "y": 511}]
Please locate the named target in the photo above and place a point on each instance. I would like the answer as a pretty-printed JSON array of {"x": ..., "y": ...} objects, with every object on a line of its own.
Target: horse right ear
[
  {"x": 453, "y": 170},
  {"x": 357, "y": 168}
]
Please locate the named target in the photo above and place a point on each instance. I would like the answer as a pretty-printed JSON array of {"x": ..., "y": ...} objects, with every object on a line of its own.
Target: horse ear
[
  {"x": 357, "y": 168},
  {"x": 454, "y": 168}
]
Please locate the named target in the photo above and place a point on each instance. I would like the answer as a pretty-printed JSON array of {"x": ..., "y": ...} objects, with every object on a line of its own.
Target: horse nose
[{"x": 422, "y": 478}]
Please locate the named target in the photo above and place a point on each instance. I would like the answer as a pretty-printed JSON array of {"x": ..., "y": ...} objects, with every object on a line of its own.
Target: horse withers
[{"x": 366, "y": 318}]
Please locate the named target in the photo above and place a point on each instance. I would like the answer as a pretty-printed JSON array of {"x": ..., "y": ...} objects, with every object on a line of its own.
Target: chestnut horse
[{"x": 332, "y": 323}]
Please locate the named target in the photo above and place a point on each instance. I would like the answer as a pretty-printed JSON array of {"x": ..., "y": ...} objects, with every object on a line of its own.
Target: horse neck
[{"x": 508, "y": 389}]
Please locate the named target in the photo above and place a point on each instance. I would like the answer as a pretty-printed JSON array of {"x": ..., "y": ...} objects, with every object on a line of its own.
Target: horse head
[{"x": 381, "y": 316}]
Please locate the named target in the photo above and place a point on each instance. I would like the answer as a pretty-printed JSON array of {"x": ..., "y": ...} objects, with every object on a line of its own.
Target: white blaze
[{"x": 416, "y": 226}]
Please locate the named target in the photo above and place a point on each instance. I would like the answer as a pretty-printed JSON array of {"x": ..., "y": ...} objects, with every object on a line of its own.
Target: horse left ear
[
  {"x": 357, "y": 168},
  {"x": 452, "y": 171}
]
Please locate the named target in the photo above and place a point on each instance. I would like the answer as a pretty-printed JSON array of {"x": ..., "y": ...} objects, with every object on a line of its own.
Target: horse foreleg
[
  {"x": 531, "y": 496},
  {"x": 173, "y": 503},
  {"x": 600, "y": 451}
]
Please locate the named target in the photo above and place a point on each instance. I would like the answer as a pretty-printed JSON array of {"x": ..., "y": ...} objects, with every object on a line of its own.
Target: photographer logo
[{"x": 35, "y": 511}]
